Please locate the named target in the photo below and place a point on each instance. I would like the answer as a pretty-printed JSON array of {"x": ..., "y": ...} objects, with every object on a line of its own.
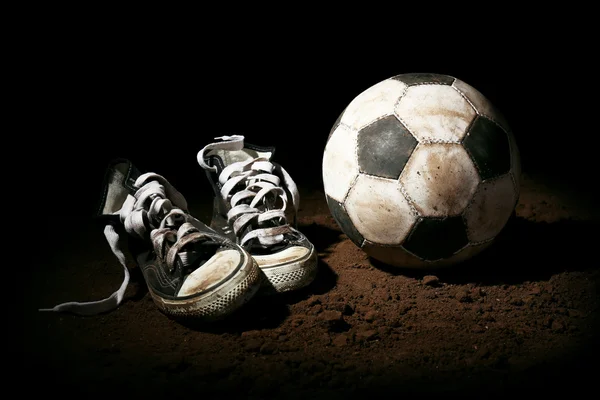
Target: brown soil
[{"x": 523, "y": 316}]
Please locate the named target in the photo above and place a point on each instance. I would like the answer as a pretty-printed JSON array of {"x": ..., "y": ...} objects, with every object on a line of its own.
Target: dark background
[
  {"x": 89, "y": 93},
  {"x": 158, "y": 103}
]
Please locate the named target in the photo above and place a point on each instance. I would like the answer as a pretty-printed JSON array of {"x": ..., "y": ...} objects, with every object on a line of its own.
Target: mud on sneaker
[
  {"x": 191, "y": 271},
  {"x": 256, "y": 203}
]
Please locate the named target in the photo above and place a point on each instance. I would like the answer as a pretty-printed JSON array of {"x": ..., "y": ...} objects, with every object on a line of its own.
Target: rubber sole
[
  {"x": 216, "y": 304},
  {"x": 292, "y": 275}
]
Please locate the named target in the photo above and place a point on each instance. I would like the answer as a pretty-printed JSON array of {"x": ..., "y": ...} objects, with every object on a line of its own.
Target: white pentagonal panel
[
  {"x": 481, "y": 103},
  {"x": 490, "y": 209},
  {"x": 435, "y": 113},
  {"x": 340, "y": 166},
  {"x": 440, "y": 179},
  {"x": 378, "y": 210},
  {"x": 375, "y": 102}
]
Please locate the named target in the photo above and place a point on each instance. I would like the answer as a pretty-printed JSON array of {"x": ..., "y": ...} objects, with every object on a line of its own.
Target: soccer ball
[{"x": 421, "y": 170}]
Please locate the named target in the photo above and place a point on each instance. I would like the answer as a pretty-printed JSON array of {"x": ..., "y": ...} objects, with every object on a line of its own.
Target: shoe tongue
[
  {"x": 222, "y": 158},
  {"x": 119, "y": 182}
]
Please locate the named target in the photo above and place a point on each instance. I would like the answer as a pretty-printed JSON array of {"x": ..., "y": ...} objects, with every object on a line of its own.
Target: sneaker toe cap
[
  {"x": 213, "y": 272},
  {"x": 288, "y": 255}
]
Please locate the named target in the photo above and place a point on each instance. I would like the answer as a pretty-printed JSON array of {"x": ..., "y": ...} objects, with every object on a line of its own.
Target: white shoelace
[
  {"x": 255, "y": 204},
  {"x": 156, "y": 204}
]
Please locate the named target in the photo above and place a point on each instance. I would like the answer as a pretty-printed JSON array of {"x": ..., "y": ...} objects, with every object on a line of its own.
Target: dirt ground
[{"x": 520, "y": 318}]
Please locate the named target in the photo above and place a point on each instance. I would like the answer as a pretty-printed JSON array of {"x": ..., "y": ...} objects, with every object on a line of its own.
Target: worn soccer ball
[{"x": 421, "y": 170}]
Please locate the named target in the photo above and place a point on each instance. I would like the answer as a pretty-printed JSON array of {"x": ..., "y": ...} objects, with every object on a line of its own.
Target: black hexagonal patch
[
  {"x": 384, "y": 147},
  {"x": 489, "y": 148},
  {"x": 424, "y": 78},
  {"x": 343, "y": 220},
  {"x": 434, "y": 238}
]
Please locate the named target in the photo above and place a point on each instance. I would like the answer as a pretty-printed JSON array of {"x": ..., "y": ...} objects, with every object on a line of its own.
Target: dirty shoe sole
[
  {"x": 283, "y": 272},
  {"x": 217, "y": 301}
]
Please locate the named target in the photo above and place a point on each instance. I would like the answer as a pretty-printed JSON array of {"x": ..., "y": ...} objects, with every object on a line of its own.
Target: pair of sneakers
[{"x": 206, "y": 272}]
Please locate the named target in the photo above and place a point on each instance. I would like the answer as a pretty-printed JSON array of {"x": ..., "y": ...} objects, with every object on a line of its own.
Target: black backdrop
[{"x": 159, "y": 107}]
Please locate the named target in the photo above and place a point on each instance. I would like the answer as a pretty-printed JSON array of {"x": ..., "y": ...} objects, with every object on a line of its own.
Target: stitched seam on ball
[
  {"x": 370, "y": 123},
  {"x": 472, "y": 201},
  {"x": 495, "y": 178},
  {"x": 405, "y": 125},
  {"x": 395, "y": 113},
  {"x": 481, "y": 242},
  {"x": 517, "y": 190},
  {"x": 348, "y": 127},
  {"x": 469, "y": 127},
  {"x": 357, "y": 168},
  {"x": 512, "y": 143},
  {"x": 464, "y": 96},
  {"x": 396, "y": 104},
  {"x": 479, "y": 171},
  {"x": 472, "y": 159},
  {"x": 497, "y": 124},
  {"x": 433, "y": 83},
  {"x": 439, "y": 141},
  {"x": 479, "y": 113},
  {"x": 409, "y": 200},
  {"x": 458, "y": 251},
  {"x": 403, "y": 190},
  {"x": 350, "y": 186},
  {"x": 357, "y": 130},
  {"x": 400, "y": 98},
  {"x": 410, "y": 252},
  {"x": 353, "y": 181},
  {"x": 463, "y": 215},
  {"x": 428, "y": 140},
  {"x": 381, "y": 178}
]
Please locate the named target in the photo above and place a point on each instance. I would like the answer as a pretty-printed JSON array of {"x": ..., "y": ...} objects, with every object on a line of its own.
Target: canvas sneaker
[
  {"x": 256, "y": 204},
  {"x": 190, "y": 270}
]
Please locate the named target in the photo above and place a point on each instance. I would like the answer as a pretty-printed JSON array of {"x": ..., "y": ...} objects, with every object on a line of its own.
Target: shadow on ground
[
  {"x": 268, "y": 311},
  {"x": 524, "y": 251}
]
